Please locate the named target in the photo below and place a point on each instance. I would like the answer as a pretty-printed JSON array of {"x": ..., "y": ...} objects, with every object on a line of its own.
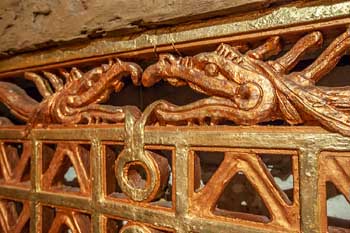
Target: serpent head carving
[
  {"x": 247, "y": 88},
  {"x": 73, "y": 97}
]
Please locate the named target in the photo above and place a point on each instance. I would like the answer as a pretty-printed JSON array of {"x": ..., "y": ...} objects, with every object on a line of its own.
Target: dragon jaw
[
  {"x": 204, "y": 72},
  {"x": 230, "y": 76},
  {"x": 98, "y": 83}
]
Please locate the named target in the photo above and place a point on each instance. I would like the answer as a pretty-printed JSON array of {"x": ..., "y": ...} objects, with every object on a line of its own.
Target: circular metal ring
[{"x": 141, "y": 179}]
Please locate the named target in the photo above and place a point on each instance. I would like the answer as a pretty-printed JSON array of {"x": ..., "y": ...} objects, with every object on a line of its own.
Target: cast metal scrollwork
[
  {"x": 242, "y": 87},
  {"x": 75, "y": 101},
  {"x": 247, "y": 90}
]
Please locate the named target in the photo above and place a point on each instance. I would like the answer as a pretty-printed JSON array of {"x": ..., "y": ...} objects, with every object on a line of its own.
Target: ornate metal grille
[
  {"x": 146, "y": 172},
  {"x": 98, "y": 207}
]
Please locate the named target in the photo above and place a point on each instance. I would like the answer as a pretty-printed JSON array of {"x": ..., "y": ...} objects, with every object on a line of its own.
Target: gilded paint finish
[
  {"x": 141, "y": 172},
  {"x": 187, "y": 215}
]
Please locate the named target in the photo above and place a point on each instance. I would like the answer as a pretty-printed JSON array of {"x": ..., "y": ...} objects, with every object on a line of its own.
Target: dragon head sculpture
[
  {"x": 225, "y": 73},
  {"x": 247, "y": 89}
]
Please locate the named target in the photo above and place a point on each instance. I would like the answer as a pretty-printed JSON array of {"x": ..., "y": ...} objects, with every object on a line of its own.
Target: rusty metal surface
[{"x": 143, "y": 172}]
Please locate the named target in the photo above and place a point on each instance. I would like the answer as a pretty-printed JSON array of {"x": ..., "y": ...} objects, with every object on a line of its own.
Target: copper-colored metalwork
[
  {"x": 13, "y": 165},
  {"x": 10, "y": 220},
  {"x": 247, "y": 90},
  {"x": 244, "y": 88},
  {"x": 72, "y": 220},
  {"x": 284, "y": 213},
  {"x": 80, "y": 161},
  {"x": 191, "y": 210},
  {"x": 334, "y": 168},
  {"x": 74, "y": 101},
  {"x": 147, "y": 172}
]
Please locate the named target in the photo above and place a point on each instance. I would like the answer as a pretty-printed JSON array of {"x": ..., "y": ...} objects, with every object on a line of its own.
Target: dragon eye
[{"x": 211, "y": 69}]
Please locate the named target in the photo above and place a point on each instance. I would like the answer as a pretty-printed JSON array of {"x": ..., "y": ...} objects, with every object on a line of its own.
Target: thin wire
[
  {"x": 176, "y": 50},
  {"x": 156, "y": 55}
]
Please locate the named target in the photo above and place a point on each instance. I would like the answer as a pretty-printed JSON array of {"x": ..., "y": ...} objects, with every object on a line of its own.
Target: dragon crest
[
  {"x": 244, "y": 87},
  {"x": 247, "y": 88},
  {"x": 75, "y": 101}
]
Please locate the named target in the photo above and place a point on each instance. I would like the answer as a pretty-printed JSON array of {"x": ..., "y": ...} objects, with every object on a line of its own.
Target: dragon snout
[
  {"x": 132, "y": 69},
  {"x": 167, "y": 59},
  {"x": 154, "y": 73},
  {"x": 136, "y": 73}
]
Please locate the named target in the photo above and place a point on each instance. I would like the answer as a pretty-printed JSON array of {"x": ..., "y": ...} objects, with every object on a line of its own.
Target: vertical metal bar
[
  {"x": 35, "y": 166},
  {"x": 310, "y": 206},
  {"x": 96, "y": 180},
  {"x": 35, "y": 174},
  {"x": 35, "y": 217},
  {"x": 96, "y": 222},
  {"x": 181, "y": 185},
  {"x": 322, "y": 191}
]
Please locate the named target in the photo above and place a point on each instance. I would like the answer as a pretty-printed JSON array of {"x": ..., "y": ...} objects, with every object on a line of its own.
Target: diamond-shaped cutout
[
  {"x": 66, "y": 168},
  {"x": 15, "y": 163}
]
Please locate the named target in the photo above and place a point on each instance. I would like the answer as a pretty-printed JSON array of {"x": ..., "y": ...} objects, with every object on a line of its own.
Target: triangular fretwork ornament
[
  {"x": 14, "y": 216},
  {"x": 339, "y": 174},
  {"x": 68, "y": 170},
  {"x": 70, "y": 221},
  {"x": 206, "y": 200},
  {"x": 15, "y": 163},
  {"x": 335, "y": 178}
]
